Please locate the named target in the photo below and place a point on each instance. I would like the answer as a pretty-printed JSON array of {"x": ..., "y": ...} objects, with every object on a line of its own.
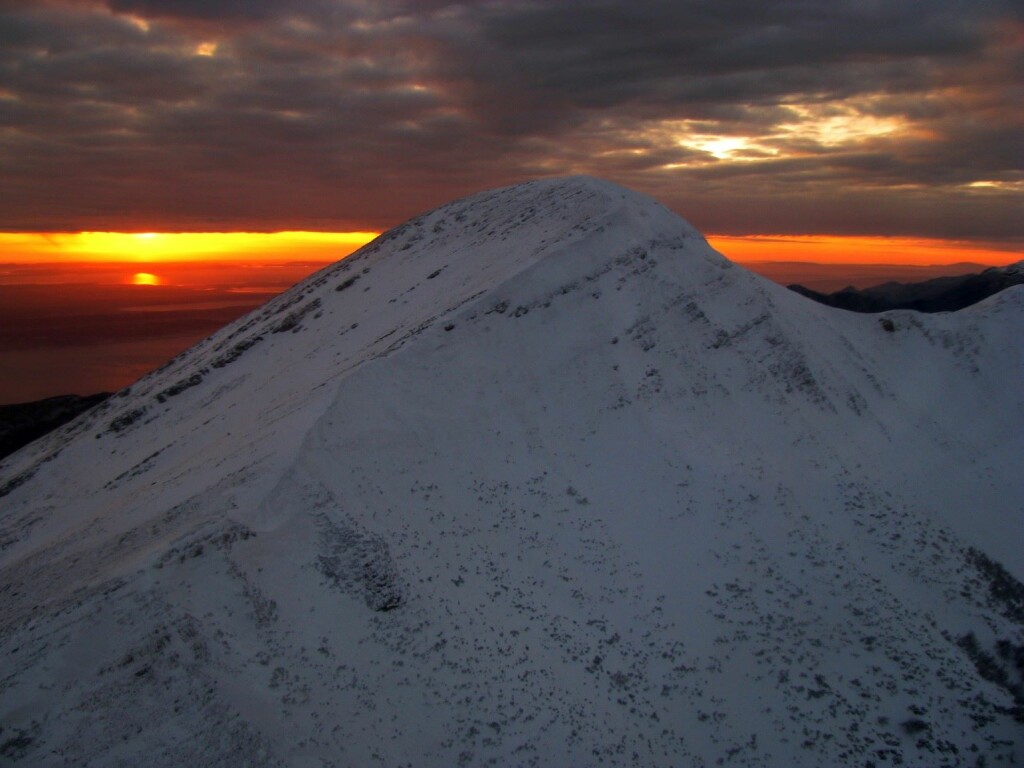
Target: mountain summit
[{"x": 536, "y": 478}]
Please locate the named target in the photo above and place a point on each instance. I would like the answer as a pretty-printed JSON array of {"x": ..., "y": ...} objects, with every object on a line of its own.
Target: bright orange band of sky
[
  {"x": 835, "y": 249},
  {"x": 150, "y": 247},
  {"x": 154, "y": 247}
]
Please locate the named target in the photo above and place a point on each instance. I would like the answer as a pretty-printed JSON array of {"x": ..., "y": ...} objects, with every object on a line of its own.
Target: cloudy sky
[{"x": 866, "y": 117}]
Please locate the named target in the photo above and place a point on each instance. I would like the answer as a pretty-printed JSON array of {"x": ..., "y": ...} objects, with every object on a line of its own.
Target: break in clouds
[{"x": 893, "y": 117}]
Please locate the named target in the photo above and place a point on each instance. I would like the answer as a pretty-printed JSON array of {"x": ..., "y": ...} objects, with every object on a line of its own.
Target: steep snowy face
[
  {"x": 537, "y": 478},
  {"x": 267, "y": 375}
]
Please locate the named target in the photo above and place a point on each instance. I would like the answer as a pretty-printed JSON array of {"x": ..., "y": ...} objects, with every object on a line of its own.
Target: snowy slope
[{"x": 537, "y": 478}]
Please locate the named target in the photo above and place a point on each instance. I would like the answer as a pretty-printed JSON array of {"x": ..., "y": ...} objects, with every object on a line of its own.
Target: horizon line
[{"x": 325, "y": 246}]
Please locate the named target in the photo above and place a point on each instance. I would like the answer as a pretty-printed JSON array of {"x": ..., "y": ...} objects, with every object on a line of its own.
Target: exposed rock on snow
[{"x": 537, "y": 478}]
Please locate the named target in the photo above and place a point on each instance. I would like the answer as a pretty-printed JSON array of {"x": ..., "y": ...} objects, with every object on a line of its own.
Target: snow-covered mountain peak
[
  {"x": 423, "y": 275},
  {"x": 536, "y": 478}
]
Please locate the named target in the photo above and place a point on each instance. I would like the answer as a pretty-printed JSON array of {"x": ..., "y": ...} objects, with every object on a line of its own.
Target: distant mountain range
[{"x": 941, "y": 294}]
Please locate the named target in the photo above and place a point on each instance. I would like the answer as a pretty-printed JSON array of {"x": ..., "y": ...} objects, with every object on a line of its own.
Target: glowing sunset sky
[
  {"x": 155, "y": 247},
  {"x": 891, "y": 118},
  {"x": 136, "y": 135}
]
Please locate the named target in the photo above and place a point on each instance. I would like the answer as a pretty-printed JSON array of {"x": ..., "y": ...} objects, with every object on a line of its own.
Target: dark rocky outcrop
[{"x": 22, "y": 423}]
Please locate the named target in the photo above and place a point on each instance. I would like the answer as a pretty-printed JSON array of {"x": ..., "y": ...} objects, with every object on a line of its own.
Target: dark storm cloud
[
  {"x": 349, "y": 114},
  {"x": 199, "y": 9},
  {"x": 670, "y": 57}
]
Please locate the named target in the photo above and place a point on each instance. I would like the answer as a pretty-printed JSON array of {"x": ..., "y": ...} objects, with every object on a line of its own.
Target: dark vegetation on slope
[
  {"x": 941, "y": 294},
  {"x": 1002, "y": 664},
  {"x": 22, "y": 423}
]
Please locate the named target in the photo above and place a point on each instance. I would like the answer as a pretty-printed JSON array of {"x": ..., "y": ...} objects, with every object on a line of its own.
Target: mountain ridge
[
  {"x": 940, "y": 294},
  {"x": 587, "y": 494}
]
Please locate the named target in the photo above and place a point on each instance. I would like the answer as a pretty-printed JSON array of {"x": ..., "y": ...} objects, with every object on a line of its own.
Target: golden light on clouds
[
  {"x": 811, "y": 125},
  {"x": 832, "y": 125},
  {"x": 206, "y": 49},
  {"x": 707, "y": 138},
  {"x": 997, "y": 186},
  {"x": 138, "y": 22},
  {"x": 725, "y": 147},
  {"x": 180, "y": 246}
]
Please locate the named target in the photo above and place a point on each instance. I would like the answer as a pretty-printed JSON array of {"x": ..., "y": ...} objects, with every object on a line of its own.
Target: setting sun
[{"x": 145, "y": 278}]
